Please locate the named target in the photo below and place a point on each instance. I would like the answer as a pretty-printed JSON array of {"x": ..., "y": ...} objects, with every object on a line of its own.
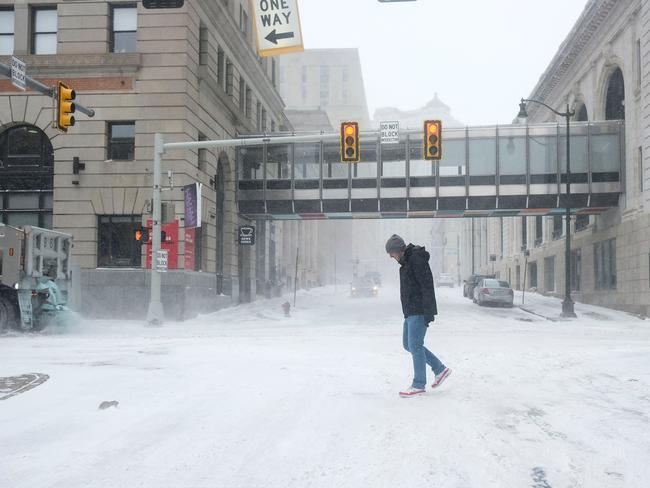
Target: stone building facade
[
  {"x": 190, "y": 74},
  {"x": 602, "y": 71}
]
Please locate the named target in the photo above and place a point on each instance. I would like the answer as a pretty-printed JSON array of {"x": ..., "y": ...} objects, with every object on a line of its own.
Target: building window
[
  {"x": 639, "y": 72},
  {"x": 243, "y": 21},
  {"x": 273, "y": 126},
  {"x": 539, "y": 230},
  {"x": 615, "y": 104},
  {"x": 6, "y": 32},
  {"x": 204, "y": 42},
  {"x": 605, "y": 264},
  {"x": 324, "y": 86},
  {"x": 557, "y": 227},
  {"x": 259, "y": 116},
  {"x": 345, "y": 74},
  {"x": 263, "y": 120},
  {"x": 249, "y": 103},
  {"x": 640, "y": 168},
  {"x": 117, "y": 247},
  {"x": 524, "y": 234},
  {"x": 202, "y": 154},
  {"x": 581, "y": 114},
  {"x": 229, "y": 76},
  {"x": 121, "y": 141},
  {"x": 549, "y": 273},
  {"x": 273, "y": 69},
  {"x": 582, "y": 221},
  {"x": 25, "y": 147},
  {"x": 532, "y": 273},
  {"x": 221, "y": 67},
  {"x": 44, "y": 28},
  {"x": 242, "y": 95},
  {"x": 124, "y": 30},
  {"x": 576, "y": 269}
]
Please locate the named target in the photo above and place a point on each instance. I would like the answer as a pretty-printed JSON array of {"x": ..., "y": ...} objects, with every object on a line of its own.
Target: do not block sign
[{"x": 277, "y": 27}]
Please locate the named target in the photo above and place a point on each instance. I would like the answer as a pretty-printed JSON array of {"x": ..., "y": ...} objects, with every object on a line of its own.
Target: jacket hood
[{"x": 412, "y": 249}]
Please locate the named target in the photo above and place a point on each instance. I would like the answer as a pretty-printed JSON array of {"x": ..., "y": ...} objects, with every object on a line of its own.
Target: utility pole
[{"x": 155, "y": 314}]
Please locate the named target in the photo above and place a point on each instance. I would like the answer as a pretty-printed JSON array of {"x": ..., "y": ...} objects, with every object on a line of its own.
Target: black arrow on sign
[{"x": 274, "y": 36}]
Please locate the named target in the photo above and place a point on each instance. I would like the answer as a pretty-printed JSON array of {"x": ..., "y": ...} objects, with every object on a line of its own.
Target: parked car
[
  {"x": 363, "y": 287},
  {"x": 470, "y": 283},
  {"x": 490, "y": 290},
  {"x": 446, "y": 280}
]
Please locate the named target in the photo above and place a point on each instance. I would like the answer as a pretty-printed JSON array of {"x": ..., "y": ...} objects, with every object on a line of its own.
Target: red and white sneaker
[
  {"x": 441, "y": 377},
  {"x": 411, "y": 392}
]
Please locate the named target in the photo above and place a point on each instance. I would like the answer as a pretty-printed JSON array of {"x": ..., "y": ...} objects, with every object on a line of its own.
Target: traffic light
[
  {"x": 65, "y": 107},
  {"x": 350, "y": 142},
  {"x": 432, "y": 139},
  {"x": 162, "y": 3},
  {"x": 141, "y": 235}
]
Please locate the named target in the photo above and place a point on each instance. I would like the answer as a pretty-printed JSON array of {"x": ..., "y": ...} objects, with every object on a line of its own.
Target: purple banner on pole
[{"x": 192, "y": 197}]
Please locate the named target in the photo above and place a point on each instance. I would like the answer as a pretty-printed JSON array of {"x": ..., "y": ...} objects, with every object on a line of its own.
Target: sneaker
[
  {"x": 411, "y": 392},
  {"x": 441, "y": 377}
]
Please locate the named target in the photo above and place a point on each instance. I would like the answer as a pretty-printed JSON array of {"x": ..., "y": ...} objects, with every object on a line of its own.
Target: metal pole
[
  {"x": 155, "y": 314},
  {"x": 295, "y": 278},
  {"x": 523, "y": 288},
  {"x": 472, "y": 245},
  {"x": 45, "y": 90},
  {"x": 567, "y": 304}
]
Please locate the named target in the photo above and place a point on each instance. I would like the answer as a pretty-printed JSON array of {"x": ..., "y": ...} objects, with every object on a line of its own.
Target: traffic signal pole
[
  {"x": 155, "y": 314},
  {"x": 49, "y": 91}
]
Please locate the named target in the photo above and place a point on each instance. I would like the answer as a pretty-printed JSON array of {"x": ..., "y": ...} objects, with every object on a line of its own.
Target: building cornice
[
  {"x": 74, "y": 64},
  {"x": 592, "y": 18}
]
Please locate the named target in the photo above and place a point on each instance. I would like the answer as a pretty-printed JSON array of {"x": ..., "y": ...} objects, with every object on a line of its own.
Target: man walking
[{"x": 419, "y": 308}]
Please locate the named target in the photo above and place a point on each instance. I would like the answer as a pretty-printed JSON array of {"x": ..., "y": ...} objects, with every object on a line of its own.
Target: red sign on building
[
  {"x": 170, "y": 243},
  {"x": 190, "y": 248}
]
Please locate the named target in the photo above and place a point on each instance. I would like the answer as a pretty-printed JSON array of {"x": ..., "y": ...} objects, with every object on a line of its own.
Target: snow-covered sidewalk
[{"x": 248, "y": 398}]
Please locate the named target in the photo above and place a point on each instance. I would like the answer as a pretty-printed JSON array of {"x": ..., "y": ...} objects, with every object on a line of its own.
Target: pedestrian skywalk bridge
[{"x": 484, "y": 172}]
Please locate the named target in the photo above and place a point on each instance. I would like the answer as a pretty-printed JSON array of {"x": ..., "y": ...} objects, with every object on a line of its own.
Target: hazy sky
[{"x": 481, "y": 56}]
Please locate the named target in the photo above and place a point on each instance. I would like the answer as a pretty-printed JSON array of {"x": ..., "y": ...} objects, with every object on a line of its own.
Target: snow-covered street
[{"x": 248, "y": 398}]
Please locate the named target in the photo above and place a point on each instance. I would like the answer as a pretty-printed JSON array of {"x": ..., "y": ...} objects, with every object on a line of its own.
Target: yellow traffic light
[
  {"x": 65, "y": 107},
  {"x": 432, "y": 139},
  {"x": 350, "y": 142}
]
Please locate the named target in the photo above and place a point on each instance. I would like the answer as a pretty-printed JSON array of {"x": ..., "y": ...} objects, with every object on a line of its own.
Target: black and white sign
[
  {"x": 246, "y": 235},
  {"x": 389, "y": 132},
  {"x": 162, "y": 261},
  {"x": 18, "y": 69},
  {"x": 277, "y": 27}
]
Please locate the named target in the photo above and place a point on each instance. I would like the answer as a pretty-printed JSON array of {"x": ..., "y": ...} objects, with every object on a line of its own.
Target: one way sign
[{"x": 277, "y": 27}]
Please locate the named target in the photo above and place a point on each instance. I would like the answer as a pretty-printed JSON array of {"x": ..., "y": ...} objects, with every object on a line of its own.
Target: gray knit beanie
[{"x": 395, "y": 243}]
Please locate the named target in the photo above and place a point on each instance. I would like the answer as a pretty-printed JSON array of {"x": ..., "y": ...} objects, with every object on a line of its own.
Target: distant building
[
  {"x": 309, "y": 120},
  {"x": 413, "y": 119},
  {"x": 326, "y": 79}
]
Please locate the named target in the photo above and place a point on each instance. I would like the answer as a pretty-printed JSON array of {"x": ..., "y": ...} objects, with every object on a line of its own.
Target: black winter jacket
[{"x": 416, "y": 284}]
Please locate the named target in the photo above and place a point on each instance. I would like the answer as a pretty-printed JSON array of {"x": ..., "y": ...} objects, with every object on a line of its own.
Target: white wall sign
[
  {"x": 18, "y": 69},
  {"x": 277, "y": 27},
  {"x": 389, "y": 132},
  {"x": 162, "y": 261}
]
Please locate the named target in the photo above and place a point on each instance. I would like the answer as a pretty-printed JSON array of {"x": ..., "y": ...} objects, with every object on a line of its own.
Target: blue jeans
[{"x": 415, "y": 328}]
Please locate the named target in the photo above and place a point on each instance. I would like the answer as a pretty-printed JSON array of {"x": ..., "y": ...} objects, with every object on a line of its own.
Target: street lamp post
[{"x": 567, "y": 304}]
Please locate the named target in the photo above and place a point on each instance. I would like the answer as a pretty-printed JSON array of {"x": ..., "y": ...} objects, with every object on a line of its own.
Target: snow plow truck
[{"x": 35, "y": 277}]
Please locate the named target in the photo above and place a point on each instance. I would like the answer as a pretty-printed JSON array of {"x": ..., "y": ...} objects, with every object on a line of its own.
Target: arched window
[
  {"x": 615, "y": 101},
  {"x": 26, "y": 176},
  {"x": 581, "y": 114}
]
